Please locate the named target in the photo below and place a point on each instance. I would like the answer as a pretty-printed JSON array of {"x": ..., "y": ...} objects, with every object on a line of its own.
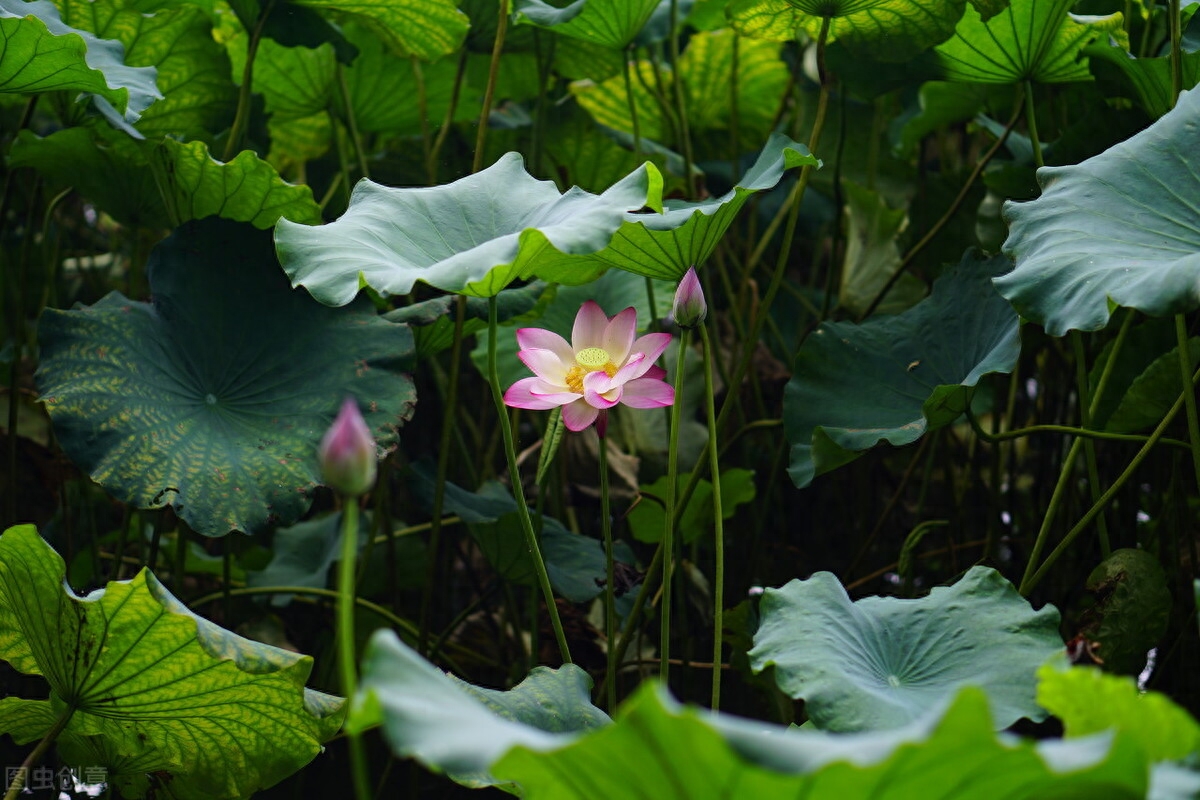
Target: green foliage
[
  {"x": 880, "y": 663},
  {"x": 160, "y": 402},
  {"x": 151, "y": 688}
]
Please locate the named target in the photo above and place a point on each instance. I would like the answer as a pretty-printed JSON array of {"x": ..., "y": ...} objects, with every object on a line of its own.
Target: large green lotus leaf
[
  {"x": 610, "y": 23},
  {"x": 882, "y": 662},
  {"x": 1120, "y": 229},
  {"x": 473, "y": 236},
  {"x": 1149, "y": 77},
  {"x": 427, "y": 29},
  {"x": 1089, "y": 701},
  {"x": 659, "y": 750},
  {"x": 163, "y": 183},
  {"x": 213, "y": 397},
  {"x": 193, "y": 70},
  {"x": 450, "y": 726},
  {"x": 708, "y": 66},
  {"x": 646, "y": 518},
  {"x": 384, "y": 93},
  {"x": 664, "y": 246},
  {"x": 893, "y": 30},
  {"x": 247, "y": 189},
  {"x": 295, "y": 140},
  {"x": 1035, "y": 40},
  {"x": 112, "y": 172},
  {"x": 303, "y": 553},
  {"x": 893, "y": 378},
  {"x": 1152, "y": 393},
  {"x": 229, "y": 715},
  {"x": 44, "y": 54}
]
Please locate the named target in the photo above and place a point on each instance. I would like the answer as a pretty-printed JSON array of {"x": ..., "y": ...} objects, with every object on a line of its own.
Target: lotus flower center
[{"x": 589, "y": 359}]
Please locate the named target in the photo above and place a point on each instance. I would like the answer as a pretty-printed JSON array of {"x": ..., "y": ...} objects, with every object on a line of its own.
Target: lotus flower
[
  {"x": 690, "y": 308},
  {"x": 347, "y": 453},
  {"x": 602, "y": 365}
]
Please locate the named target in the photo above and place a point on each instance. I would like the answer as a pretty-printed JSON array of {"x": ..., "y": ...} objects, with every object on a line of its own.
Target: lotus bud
[
  {"x": 347, "y": 453},
  {"x": 690, "y": 309}
]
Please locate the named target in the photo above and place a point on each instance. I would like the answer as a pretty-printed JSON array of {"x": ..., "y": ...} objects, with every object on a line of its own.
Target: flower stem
[
  {"x": 668, "y": 537},
  {"x": 490, "y": 90},
  {"x": 18, "y": 783},
  {"x": 345, "y": 615},
  {"x": 610, "y": 603},
  {"x": 514, "y": 477},
  {"x": 1189, "y": 396},
  {"x": 718, "y": 519}
]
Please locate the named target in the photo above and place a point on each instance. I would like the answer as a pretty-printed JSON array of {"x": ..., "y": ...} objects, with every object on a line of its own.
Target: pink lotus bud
[
  {"x": 690, "y": 309},
  {"x": 347, "y": 453}
]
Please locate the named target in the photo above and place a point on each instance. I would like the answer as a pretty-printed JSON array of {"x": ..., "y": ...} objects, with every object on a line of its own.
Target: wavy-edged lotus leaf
[
  {"x": 1150, "y": 78},
  {"x": 44, "y": 54},
  {"x": 1120, "y": 229},
  {"x": 910, "y": 373},
  {"x": 222, "y": 716},
  {"x": 1088, "y": 701},
  {"x": 427, "y": 29},
  {"x": 664, "y": 246},
  {"x": 473, "y": 236},
  {"x": 670, "y": 752},
  {"x": 610, "y": 23},
  {"x": 893, "y": 30},
  {"x": 1034, "y": 40},
  {"x": 214, "y": 396},
  {"x": 882, "y": 662},
  {"x": 1131, "y": 611},
  {"x": 709, "y": 65},
  {"x": 1152, "y": 393},
  {"x": 548, "y": 740},
  {"x": 177, "y": 41},
  {"x": 247, "y": 189},
  {"x": 452, "y": 727}
]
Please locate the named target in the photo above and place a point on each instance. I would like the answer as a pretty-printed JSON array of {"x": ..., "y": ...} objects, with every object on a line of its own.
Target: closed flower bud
[
  {"x": 689, "y": 310},
  {"x": 347, "y": 453}
]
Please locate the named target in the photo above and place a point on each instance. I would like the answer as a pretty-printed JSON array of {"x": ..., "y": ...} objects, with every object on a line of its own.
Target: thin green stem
[
  {"x": 610, "y": 602},
  {"x": 18, "y": 783},
  {"x": 345, "y": 634},
  {"x": 490, "y": 91},
  {"x": 718, "y": 518},
  {"x": 1030, "y": 581},
  {"x": 633, "y": 115},
  {"x": 1031, "y": 126},
  {"x": 241, "y": 118},
  {"x": 1176, "y": 33},
  {"x": 1106, "y": 436},
  {"x": 639, "y": 603},
  {"x": 444, "y": 131},
  {"x": 1089, "y": 447},
  {"x": 352, "y": 122},
  {"x": 449, "y": 411},
  {"x": 514, "y": 477},
  {"x": 680, "y": 91},
  {"x": 1189, "y": 398},
  {"x": 669, "y": 522}
]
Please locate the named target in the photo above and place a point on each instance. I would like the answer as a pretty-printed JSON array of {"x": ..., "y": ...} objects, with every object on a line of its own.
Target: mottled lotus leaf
[
  {"x": 610, "y": 23},
  {"x": 218, "y": 716},
  {"x": 44, "y": 54},
  {"x": 427, "y": 29},
  {"x": 1131, "y": 608},
  {"x": 1035, "y": 40},
  {"x": 882, "y": 662},
  {"x": 894, "y": 378},
  {"x": 213, "y": 397},
  {"x": 473, "y": 236},
  {"x": 893, "y": 30},
  {"x": 1119, "y": 229}
]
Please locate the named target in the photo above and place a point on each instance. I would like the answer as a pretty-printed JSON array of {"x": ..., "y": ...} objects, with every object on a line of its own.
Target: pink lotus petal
[
  {"x": 634, "y": 368},
  {"x": 578, "y": 415},
  {"x": 619, "y": 335},
  {"x": 652, "y": 344},
  {"x": 539, "y": 338},
  {"x": 546, "y": 365},
  {"x": 600, "y": 391},
  {"x": 588, "y": 330},
  {"x": 551, "y": 393},
  {"x": 657, "y": 373},
  {"x": 647, "y": 393},
  {"x": 522, "y": 395}
]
